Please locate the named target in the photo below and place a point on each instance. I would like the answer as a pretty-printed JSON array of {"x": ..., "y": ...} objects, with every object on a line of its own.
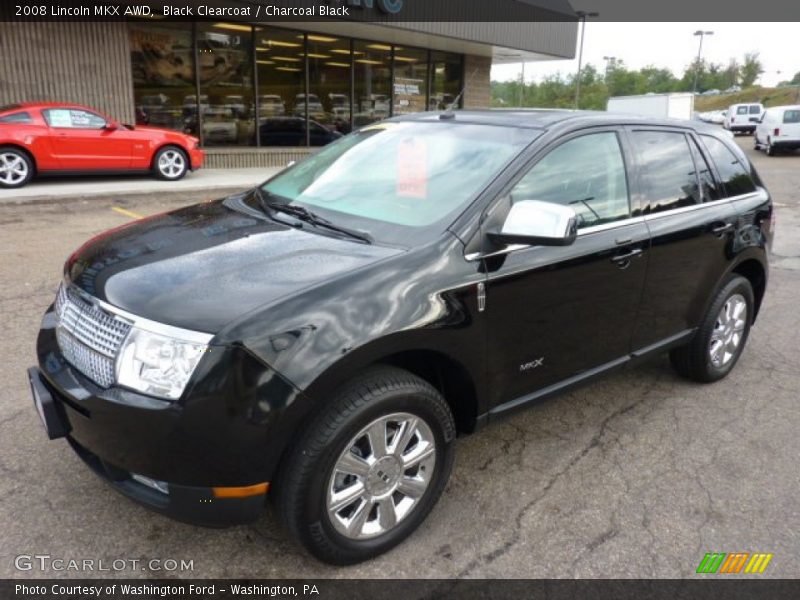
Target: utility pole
[
  {"x": 702, "y": 34},
  {"x": 582, "y": 16}
]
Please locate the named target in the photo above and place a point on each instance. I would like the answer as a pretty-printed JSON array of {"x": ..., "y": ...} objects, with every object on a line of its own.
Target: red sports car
[{"x": 42, "y": 138}]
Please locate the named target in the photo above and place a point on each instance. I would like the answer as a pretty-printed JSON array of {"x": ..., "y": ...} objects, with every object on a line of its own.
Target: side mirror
[
  {"x": 535, "y": 223},
  {"x": 111, "y": 126}
]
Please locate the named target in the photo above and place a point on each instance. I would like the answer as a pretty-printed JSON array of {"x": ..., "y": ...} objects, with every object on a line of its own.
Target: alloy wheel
[
  {"x": 171, "y": 164},
  {"x": 728, "y": 331},
  {"x": 381, "y": 476},
  {"x": 13, "y": 168}
]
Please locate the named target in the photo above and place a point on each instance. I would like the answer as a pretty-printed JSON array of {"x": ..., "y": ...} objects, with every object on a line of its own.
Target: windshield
[{"x": 402, "y": 182}]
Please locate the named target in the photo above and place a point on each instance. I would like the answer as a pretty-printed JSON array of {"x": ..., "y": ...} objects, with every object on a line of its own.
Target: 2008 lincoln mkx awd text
[{"x": 320, "y": 340}]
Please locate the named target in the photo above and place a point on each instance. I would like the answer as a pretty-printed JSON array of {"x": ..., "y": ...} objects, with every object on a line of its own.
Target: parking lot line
[{"x": 127, "y": 213}]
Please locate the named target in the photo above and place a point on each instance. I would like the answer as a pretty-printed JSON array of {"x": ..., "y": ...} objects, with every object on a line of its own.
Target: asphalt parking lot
[{"x": 637, "y": 475}]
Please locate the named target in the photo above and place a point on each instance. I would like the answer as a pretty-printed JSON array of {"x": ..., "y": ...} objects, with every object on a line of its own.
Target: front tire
[
  {"x": 170, "y": 163},
  {"x": 369, "y": 469},
  {"x": 716, "y": 347},
  {"x": 16, "y": 168}
]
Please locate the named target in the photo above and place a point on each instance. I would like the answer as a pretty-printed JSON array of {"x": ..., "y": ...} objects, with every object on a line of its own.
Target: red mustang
[{"x": 41, "y": 138}]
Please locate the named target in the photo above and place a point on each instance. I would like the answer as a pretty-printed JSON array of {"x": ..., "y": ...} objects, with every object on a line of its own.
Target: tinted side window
[
  {"x": 19, "y": 117},
  {"x": 668, "y": 175},
  {"x": 586, "y": 173},
  {"x": 73, "y": 118},
  {"x": 710, "y": 188},
  {"x": 731, "y": 170}
]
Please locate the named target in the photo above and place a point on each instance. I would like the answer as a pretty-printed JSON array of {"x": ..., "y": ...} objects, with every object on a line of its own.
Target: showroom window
[
  {"x": 164, "y": 83},
  {"x": 373, "y": 82},
  {"x": 281, "y": 86},
  {"x": 446, "y": 70},
  {"x": 233, "y": 84},
  {"x": 226, "y": 101},
  {"x": 329, "y": 67},
  {"x": 410, "y": 80}
]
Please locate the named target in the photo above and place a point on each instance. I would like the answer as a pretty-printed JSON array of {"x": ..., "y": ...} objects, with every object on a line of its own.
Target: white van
[
  {"x": 779, "y": 129},
  {"x": 743, "y": 118}
]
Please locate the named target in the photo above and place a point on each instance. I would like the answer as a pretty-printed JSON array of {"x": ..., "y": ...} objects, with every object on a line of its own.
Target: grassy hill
[{"x": 768, "y": 96}]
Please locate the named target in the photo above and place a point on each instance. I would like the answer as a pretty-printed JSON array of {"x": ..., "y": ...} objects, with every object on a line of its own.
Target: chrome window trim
[
  {"x": 474, "y": 256},
  {"x": 176, "y": 333},
  {"x": 611, "y": 225}
]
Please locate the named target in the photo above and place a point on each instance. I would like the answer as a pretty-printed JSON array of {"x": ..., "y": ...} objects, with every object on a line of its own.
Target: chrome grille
[{"x": 88, "y": 336}]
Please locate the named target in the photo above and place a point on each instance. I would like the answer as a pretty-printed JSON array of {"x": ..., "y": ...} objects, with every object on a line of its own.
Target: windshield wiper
[{"x": 305, "y": 215}]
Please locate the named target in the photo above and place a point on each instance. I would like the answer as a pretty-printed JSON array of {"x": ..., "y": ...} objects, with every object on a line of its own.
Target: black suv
[{"x": 323, "y": 338}]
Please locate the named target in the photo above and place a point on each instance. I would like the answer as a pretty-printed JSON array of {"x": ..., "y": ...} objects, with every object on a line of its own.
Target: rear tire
[
  {"x": 170, "y": 163},
  {"x": 369, "y": 468},
  {"x": 16, "y": 168},
  {"x": 770, "y": 148},
  {"x": 716, "y": 347}
]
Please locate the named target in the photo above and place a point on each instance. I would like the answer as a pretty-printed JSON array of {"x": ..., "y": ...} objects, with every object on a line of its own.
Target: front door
[
  {"x": 557, "y": 313},
  {"x": 81, "y": 142}
]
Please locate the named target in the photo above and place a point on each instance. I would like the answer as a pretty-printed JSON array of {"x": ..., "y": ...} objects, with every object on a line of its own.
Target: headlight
[{"x": 156, "y": 364}]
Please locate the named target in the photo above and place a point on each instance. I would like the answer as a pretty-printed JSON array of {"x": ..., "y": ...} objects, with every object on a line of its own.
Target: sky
[{"x": 673, "y": 46}]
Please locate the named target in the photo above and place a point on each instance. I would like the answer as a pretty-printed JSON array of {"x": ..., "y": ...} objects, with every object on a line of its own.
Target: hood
[
  {"x": 161, "y": 130},
  {"x": 203, "y": 266}
]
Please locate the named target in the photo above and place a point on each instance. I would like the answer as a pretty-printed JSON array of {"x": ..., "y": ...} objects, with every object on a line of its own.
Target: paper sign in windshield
[
  {"x": 59, "y": 117},
  {"x": 412, "y": 169}
]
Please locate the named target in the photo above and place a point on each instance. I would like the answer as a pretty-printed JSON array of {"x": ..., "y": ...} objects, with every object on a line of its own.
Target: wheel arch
[
  {"x": 25, "y": 151},
  {"x": 449, "y": 375},
  {"x": 752, "y": 270},
  {"x": 452, "y": 380}
]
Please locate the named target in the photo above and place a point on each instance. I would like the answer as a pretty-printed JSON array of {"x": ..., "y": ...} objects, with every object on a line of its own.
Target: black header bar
[{"x": 382, "y": 11}]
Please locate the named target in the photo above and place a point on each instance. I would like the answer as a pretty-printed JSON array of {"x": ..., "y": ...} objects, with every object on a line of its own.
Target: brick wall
[{"x": 478, "y": 75}]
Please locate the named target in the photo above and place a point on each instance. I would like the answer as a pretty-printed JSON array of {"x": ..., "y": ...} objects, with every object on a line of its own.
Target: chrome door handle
[
  {"x": 627, "y": 256},
  {"x": 722, "y": 229}
]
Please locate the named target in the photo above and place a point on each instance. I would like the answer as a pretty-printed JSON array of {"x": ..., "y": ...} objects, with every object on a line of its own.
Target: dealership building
[{"x": 259, "y": 93}]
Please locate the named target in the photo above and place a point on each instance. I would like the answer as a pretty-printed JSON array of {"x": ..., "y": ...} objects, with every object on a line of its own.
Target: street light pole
[
  {"x": 702, "y": 34},
  {"x": 582, "y": 16}
]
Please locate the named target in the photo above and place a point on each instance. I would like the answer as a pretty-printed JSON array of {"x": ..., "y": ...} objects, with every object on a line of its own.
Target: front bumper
[
  {"x": 191, "y": 504},
  {"x": 228, "y": 431},
  {"x": 196, "y": 158}
]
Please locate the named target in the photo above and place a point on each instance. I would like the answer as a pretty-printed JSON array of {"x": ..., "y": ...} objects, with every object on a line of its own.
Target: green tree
[
  {"x": 732, "y": 73},
  {"x": 796, "y": 79},
  {"x": 751, "y": 69}
]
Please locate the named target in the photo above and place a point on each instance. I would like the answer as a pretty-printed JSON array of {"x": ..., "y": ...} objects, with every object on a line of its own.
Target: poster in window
[{"x": 412, "y": 169}]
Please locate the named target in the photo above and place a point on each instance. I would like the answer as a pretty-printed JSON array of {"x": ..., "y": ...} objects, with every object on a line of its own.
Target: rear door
[
  {"x": 691, "y": 227},
  {"x": 788, "y": 126},
  {"x": 559, "y": 312},
  {"x": 80, "y": 141}
]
